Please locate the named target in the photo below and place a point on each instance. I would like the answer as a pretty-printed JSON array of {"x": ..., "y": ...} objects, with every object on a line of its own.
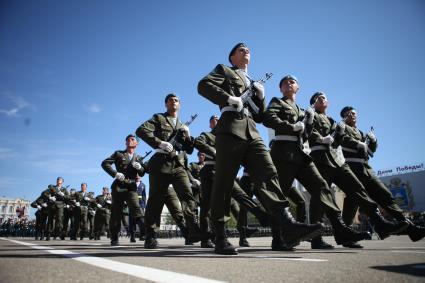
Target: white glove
[
  {"x": 235, "y": 102},
  {"x": 166, "y": 146},
  {"x": 108, "y": 202},
  {"x": 185, "y": 129},
  {"x": 362, "y": 147},
  {"x": 327, "y": 140},
  {"x": 99, "y": 206},
  {"x": 371, "y": 136},
  {"x": 259, "y": 90},
  {"x": 77, "y": 204},
  {"x": 309, "y": 114},
  {"x": 52, "y": 198},
  {"x": 44, "y": 204},
  {"x": 38, "y": 207},
  {"x": 299, "y": 127},
  {"x": 86, "y": 199},
  {"x": 197, "y": 182},
  {"x": 61, "y": 194},
  {"x": 120, "y": 176},
  {"x": 67, "y": 206},
  {"x": 340, "y": 128},
  {"x": 137, "y": 165}
]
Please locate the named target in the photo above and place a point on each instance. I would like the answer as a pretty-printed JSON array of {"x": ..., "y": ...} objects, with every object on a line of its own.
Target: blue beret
[
  {"x": 287, "y": 77},
  {"x": 240, "y": 44}
]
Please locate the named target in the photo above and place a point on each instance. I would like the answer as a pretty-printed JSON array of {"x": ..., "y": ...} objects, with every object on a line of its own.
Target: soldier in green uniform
[
  {"x": 103, "y": 213},
  {"x": 56, "y": 196},
  {"x": 357, "y": 147},
  {"x": 292, "y": 128},
  {"x": 195, "y": 169},
  {"x": 239, "y": 142},
  {"x": 205, "y": 143},
  {"x": 167, "y": 166},
  {"x": 326, "y": 136},
  {"x": 127, "y": 166},
  {"x": 83, "y": 200},
  {"x": 91, "y": 214},
  {"x": 40, "y": 217},
  {"x": 74, "y": 214}
]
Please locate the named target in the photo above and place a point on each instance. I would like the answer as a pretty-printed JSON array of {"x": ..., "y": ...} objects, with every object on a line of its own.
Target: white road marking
[
  {"x": 410, "y": 252},
  {"x": 410, "y": 248},
  {"x": 242, "y": 256},
  {"x": 147, "y": 273}
]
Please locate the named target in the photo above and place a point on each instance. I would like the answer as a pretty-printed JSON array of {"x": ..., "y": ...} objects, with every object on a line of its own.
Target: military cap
[
  {"x": 287, "y": 77},
  {"x": 59, "y": 178},
  {"x": 213, "y": 117},
  {"x": 316, "y": 96},
  {"x": 170, "y": 95},
  {"x": 105, "y": 188},
  {"x": 346, "y": 109},
  {"x": 240, "y": 44},
  {"x": 130, "y": 136}
]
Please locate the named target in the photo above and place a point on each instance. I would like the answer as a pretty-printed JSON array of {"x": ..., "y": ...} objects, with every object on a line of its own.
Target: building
[{"x": 14, "y": 209}]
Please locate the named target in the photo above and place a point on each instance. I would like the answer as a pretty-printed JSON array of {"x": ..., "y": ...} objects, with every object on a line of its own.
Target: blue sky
[{"x": 77, "y": 76}]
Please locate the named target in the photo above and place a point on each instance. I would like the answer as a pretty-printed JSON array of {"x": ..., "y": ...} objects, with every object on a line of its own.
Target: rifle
[
  {"x": 367, "y": 141},
  {"x": 178, "y": 146},
  {"x": 247, "y": 95},
  {"x": 147, "y": 153}
]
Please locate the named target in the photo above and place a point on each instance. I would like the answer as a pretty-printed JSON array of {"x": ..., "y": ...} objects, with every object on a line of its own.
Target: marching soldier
[
  {"x": 170, "y": 139},
  {"x": 141, "y": 192},
  {"x": 74, "y": 213},
  {"x": 91, "y": 214},
  {"x": 127, "y": 166},
  {"x": 56, "y": 195},
  {"x": 40, "y": 217},
  {"x": 325, "y": 135},
  {"x": 292, "y": 127},
  {"x": 195, "y": 169},
  {"x": 83, "y": 200},
  {"x": 103, "y": 213},
  {"x": 357, "y": 147},
  {"x": 239, "y": 142}
]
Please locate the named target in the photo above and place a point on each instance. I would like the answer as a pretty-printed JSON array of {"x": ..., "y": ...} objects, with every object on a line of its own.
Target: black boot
[
  {"x": 319, "y": 244},
  {"x": 207, "y": 244},
  {"x": 385, "y": 228},
  {"x": 295, "y": 232},
  {"x": 194, "y": 232},
  {"x": 114, "y": 240},
  {"x": 142, "y": 231},
  {"x": 132, "y": 238},
  {"x": 415, "y": 232},
  {"x": 352, "y": 245},
  {"x": 249, "y": 231},
  {"x": 277, "y": 241},
  {"x": 344, "y": 234},
  {"x": 151, "y": 242},
  {"x": 222, "y": 246},
  {"x": 47, "y": 236},
  {"x": 243, "y": 242}
]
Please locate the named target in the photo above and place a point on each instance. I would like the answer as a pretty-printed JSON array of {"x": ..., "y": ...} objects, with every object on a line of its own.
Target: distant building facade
[{"x": 14, "y": 209}]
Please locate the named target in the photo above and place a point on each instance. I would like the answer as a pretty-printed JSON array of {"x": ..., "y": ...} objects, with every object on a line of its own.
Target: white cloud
[
  {"x": 94, "y": 108},
  {"x": 18, "y": 104},
  {"x": 5, "y": 153}
]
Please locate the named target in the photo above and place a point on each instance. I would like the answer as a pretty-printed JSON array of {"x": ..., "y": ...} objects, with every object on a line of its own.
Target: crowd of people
[{"x": 211, "y": 187}]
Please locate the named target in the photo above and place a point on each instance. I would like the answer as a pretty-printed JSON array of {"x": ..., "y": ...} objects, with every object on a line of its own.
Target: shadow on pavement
[{"x": 415, "y": 269}]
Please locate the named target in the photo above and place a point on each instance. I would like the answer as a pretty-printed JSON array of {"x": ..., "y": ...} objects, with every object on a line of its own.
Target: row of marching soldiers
[
  {"x": 234, "y": 141},
  {"x": 73, "y": 213}
]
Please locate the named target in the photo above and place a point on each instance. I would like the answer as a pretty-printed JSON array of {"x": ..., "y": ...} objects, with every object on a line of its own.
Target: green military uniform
[
  {"x": 74, "y": 214},
  {"x": 82, "y": 215},
  {"x": 40, "y": 217},
  {"x": 91, "y": 214},
  {"x": 123, "y": 191},
  {"x": 238, "y": 142},
  {"x": 195, "y": 169},
  {"x": 57, "y": 196},
  {"x": 103, "y": 214},
  {"x": 206, "y": 143},
  {"x": 358, "y": 162},
  {"x": 165, "y": 169},
  {"x": 292, "y": 162}
]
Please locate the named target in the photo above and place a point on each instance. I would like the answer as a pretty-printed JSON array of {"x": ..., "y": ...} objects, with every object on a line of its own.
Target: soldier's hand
[
  {"x": 44, "y": 204},
  {"x": 38, "y": 207},
  {"x": 61, "y": 193},
  {"x": 299, "y": 127},
  {"x": 67, "y": 206},
  {"x": 371, "y": 136},
  {"x": 136, "y": 165},
  {"x": 328, "y": 139},
  {"x": 108, "y": 202},
  {"x": 166, "y": 146},
  {"x": 120, "y": 176},
  {"x": 52, "y": 198},
  {"x": 77, "y": 204},
  {"x": 340, "y": 128},
  {"x": 235, "y": 102},
  {"x": 259, "y": 90},
  {"x": 86, "y": 199},
  {"x": 99, "y": 206}
]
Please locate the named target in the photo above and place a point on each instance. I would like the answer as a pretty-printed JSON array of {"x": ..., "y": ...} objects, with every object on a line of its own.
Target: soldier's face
[
  {"x": 321, "y": 103},
  {"x": 213, "y": 123},
  {"x": 83, "y": 187},
  {"x": 131, "y": 142},
  {"x": 351, "y": 117},
  {"x": 59, "y": 182},
  {"x": 241, "y": 56},
  {"x": 173, "y": 104},
  {"x": 201, "y": 157},
  {"x": 105, "y": 192},
  {"x": 289, "y": 86}
]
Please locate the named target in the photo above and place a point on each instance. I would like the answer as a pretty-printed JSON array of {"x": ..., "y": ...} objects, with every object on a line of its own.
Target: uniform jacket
[
  {"x": 217, "y": 86},
  {"x": 160, "y": 128}
]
